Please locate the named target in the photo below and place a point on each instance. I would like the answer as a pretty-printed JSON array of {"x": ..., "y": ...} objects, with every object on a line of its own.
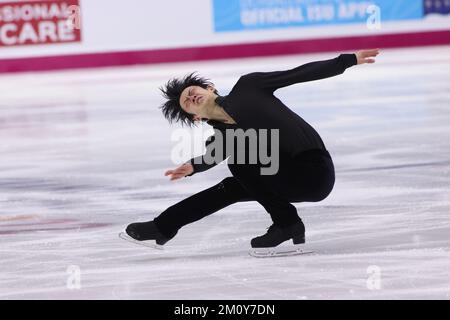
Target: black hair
[{"x": 172, "y": 91}]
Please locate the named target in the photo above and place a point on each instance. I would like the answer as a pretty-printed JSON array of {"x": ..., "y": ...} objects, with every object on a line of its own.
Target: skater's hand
[
  {"x": 367, "y": 56},
  {"x": 180, "y": 172}
]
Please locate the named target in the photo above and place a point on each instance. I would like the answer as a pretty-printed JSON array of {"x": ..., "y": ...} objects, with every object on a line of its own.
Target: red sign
[{"x": 39, "y": 22}]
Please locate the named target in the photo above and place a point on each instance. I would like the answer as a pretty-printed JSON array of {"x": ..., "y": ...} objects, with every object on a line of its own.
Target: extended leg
[{"x": 200, "y": 205}]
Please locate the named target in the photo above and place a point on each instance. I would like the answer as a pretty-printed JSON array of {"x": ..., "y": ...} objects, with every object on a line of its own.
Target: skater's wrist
[
  {"x": 192, "y": 168},
  {"x": 349, "y": 59}
]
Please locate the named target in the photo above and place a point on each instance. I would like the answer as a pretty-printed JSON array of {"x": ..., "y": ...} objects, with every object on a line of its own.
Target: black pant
[{"x": 308, "y": 177}]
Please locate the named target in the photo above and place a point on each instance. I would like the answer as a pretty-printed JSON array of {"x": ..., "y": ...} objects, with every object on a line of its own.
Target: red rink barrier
[{"x": 108, "y": 59}]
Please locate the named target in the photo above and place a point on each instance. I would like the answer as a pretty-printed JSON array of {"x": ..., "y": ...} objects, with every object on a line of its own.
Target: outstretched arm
[
  {"x": 312, "y": 71},
  {"x": 197, "y": 164}
]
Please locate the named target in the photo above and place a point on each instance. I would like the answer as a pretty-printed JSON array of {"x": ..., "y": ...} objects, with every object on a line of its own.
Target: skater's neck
[{"x": 215, "y": 112}]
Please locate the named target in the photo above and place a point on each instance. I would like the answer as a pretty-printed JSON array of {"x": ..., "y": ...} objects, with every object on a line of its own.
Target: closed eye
[{"x": 187, "y": 98}]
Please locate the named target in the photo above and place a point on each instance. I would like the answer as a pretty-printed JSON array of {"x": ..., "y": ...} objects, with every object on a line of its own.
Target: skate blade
[
  {"x": 149, "y": 243},
  {"x": 295, "y": 250}
]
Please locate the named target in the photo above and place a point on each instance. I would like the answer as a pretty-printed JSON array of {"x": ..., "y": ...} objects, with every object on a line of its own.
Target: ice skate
[
  {"x": 145, "y": 234},
  {"x": 274, "y": 242}
]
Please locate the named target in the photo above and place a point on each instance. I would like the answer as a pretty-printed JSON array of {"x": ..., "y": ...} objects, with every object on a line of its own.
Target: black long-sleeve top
[{"x": 252, "y": 104}]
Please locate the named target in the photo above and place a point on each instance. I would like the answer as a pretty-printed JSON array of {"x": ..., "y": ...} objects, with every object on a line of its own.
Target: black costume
[{"x": 306, "y": 171}]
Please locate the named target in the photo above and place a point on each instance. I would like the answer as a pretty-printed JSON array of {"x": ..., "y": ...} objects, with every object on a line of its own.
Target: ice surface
[{"x": 83, "y": 153}]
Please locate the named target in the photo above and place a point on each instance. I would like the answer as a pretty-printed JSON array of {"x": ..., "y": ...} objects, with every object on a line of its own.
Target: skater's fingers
[
  {"x": 366, "y": 56},
  {"x": 371, "y": 53},
  {"x": 175, "y": 177},
  {"x": 181, "y": 168},
  {"x": 178, "y": 171},
  {"x": 181, "y": 175},
  {"x": 185, "y": 170},
  {"x": 368, "y": 60}
]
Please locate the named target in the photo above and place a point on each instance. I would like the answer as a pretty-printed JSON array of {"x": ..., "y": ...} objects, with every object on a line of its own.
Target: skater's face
[{"x": 195, "y": 99}]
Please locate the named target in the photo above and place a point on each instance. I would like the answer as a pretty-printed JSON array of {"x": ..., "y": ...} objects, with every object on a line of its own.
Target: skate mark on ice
[
  {"x": 44, "y": 222},
  {"x": 18, "y": 217},
  {"x": 400, "y": 166},
  {"x": 81, "y": 226}
]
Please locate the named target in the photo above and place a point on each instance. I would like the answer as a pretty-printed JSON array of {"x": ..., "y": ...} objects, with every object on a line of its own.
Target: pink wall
[{"x": 108, "y": 59}]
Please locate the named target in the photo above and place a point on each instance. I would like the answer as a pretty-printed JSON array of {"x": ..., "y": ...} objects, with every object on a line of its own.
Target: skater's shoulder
[{"x": 220, "y": 100}]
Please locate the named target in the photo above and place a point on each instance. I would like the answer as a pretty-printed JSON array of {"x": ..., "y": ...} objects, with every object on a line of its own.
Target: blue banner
[{"x": 240, "y": 15}]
